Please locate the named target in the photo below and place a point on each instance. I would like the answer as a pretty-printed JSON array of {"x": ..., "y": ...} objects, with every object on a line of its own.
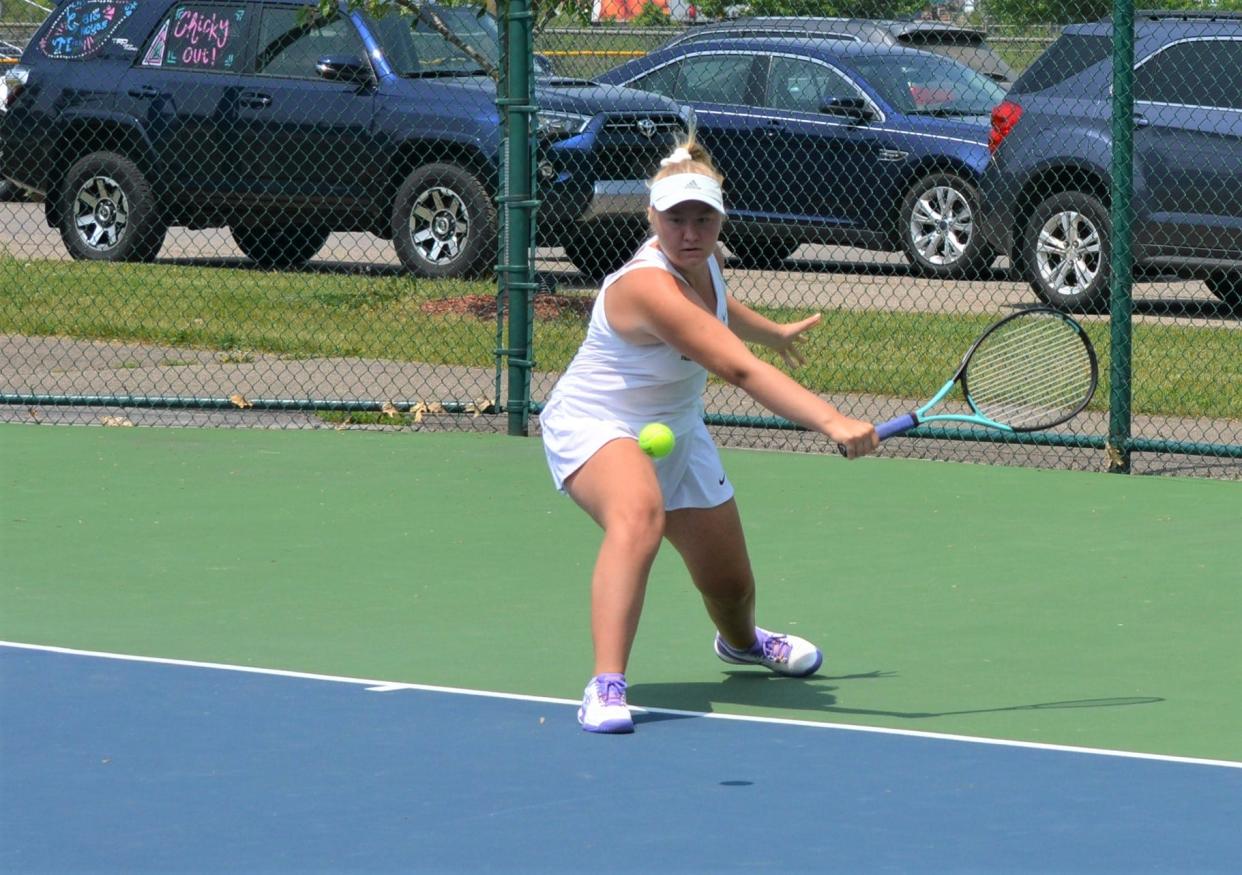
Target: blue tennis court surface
[{"x": 114, "y": 764}]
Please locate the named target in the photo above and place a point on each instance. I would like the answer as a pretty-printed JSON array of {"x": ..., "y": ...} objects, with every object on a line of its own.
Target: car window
[
  {"x": 714, "y": 79},
  {"x": 926, "y": 84},
  {"x": 1068, "y": 56},
  {"x": 804, "y": 86},
  {"x": 1195, "y": 73},
  {"x": 80, "y": 29},
  {"x": 415, "y": 48},
  {"x": 661, "y": 81},
  {"x": 291, "y": 42},
  {"x": 980, "y": 57},
  {"x": 199, "y": 36}
]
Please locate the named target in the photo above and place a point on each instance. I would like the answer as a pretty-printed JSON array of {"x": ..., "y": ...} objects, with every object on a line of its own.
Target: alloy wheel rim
[
  {"x": 941, "y": 225},
  {"x": 439, "y": 225},
  {"x": 1067, "y": 253},
  {"x": 101, "y": 213}
]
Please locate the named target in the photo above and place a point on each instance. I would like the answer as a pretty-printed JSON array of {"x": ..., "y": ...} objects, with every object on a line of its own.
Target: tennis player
[{"x": 659, "y": 325}]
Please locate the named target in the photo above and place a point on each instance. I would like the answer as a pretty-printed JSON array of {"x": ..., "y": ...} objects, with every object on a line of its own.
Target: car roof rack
[{"x": 1185, "y": 15}]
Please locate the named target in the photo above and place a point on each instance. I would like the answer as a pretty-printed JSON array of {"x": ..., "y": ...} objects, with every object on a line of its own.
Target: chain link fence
[{"x": 248, "y": 213}]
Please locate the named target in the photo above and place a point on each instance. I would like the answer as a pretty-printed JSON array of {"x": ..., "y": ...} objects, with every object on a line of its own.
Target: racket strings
[
  {"x": 1028, "y": 377},
  {"x": 1027, "y": 385},
  {"x": 1032, "y": 372}
]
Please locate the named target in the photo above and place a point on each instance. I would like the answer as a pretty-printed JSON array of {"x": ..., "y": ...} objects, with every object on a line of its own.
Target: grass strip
[{"x": 1178, "y": 370}]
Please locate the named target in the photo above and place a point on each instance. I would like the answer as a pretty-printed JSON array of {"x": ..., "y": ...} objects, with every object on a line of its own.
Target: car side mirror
[
  {"x": 344, "y": 68},
  {"x": 853, "y": 108},
  {"x": 544, "y": 66}
]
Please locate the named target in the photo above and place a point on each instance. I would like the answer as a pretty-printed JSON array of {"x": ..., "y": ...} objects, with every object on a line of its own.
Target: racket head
[{"x": 1034, "y": 369}]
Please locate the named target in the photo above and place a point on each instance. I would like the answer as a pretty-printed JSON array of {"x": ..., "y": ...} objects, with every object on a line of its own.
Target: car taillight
[
  {"x": 11, "y": 85},
  {"x": 1004, "y": 117}
]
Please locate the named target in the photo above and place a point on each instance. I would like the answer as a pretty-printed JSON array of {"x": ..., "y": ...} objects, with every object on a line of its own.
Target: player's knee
[
  {"x": 640, "y": 524},
  {"x": 728, "y": 591}
]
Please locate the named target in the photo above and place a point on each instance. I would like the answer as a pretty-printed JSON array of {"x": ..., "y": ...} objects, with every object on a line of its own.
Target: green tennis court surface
[{"x": 1067, "y": 608}]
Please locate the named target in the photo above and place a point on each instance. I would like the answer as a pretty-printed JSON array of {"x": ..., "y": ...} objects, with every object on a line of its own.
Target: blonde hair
[{"x": 689, "y": 156}]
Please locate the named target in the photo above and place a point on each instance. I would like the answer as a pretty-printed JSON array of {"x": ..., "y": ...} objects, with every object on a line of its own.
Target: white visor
[{"x": 667, "y": 192}]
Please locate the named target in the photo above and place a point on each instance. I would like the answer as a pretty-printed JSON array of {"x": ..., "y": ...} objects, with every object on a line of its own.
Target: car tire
[
  {"x": 599, "y": 251},
  {"x": 1226, "y": 285},
  {"x": 444, "y": 223},
  {"x": 939, "y": 227},
  {"x": 108, "y": 211},
  {"x": 761, "y": 251},
  {"x": 1065, "y": 252},
  {"x": 280, "y": 246}
]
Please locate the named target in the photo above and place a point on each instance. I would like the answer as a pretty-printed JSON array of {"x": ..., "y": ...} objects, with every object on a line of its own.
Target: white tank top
[{"x": 612, "y": 378}]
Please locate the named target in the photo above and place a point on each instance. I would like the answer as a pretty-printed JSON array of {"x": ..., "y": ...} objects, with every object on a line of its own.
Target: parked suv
[
  {"x": 835, "y": 142},
  {"x": 1045, "y": 194},
  {"x": 963, "y": 44},
  {"x": 286, "y": 125}
]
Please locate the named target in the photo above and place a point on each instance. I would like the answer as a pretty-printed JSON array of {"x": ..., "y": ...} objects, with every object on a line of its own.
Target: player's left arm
[{"x": 783, "y": 338}]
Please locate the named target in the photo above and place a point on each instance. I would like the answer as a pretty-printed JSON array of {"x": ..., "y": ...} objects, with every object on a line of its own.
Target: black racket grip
[{"x": 901, "y": 424}]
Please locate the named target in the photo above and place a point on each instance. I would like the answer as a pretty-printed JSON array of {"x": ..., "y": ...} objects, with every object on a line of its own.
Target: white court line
[{"x": 391, "y": 686}]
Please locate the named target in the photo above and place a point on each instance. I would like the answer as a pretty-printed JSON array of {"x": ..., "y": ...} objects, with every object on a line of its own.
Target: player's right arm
[{"x": 648, "y": 306}]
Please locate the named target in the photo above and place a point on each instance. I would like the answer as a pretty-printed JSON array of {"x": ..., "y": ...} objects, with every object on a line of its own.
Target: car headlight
[
  {"x": 561, "y": 124},
  {"x": 11, "y": 83}
]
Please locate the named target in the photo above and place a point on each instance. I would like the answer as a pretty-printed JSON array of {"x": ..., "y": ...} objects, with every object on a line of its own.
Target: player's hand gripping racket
[{"x": 1031, "y": 370}]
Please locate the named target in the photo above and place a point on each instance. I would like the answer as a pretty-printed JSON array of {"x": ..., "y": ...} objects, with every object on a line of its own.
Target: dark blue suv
[
  {"x": 1046, "y": 191},
  {"x": 830, "y": 141},
  {"x": 287, "y": 125}
]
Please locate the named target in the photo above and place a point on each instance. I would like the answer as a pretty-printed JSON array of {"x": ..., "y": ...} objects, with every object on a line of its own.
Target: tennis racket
[{"x": 1031, "y": 370}]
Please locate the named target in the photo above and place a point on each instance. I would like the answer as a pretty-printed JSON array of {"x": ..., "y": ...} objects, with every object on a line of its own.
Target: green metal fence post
[
  {"x": 516, "y": 272},
  {"x": 1121, "y": 304}
]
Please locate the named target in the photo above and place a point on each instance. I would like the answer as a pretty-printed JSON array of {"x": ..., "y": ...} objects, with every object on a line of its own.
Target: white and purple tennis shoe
[
  {"x": 603, "y": 705},
  {"x": 783, "y": 654}
]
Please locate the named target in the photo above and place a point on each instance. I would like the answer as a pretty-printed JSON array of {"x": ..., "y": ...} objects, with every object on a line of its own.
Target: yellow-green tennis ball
[{"x": 656, "y": 440}]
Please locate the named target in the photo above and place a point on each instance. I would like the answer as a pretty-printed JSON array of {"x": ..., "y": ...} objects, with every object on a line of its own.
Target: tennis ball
[{"x": 656, "y": 440}]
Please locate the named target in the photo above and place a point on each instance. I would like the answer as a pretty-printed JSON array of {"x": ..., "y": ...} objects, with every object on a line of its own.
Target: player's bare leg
[
  {"x": 618, "y": 488},
  {"x": 713, "y": 546},
  {"x": 714, "y": 549}
]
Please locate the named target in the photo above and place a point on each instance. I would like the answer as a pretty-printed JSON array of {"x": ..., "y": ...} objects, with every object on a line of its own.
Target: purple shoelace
[
  {"x": 775, "y": 647},
  {"x": 611, "y": 689}
]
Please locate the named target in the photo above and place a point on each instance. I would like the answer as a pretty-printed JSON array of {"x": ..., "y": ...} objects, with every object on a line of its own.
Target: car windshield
[
  {"x": 416, "y": 49},
  {"x": 929, "y": 85}
]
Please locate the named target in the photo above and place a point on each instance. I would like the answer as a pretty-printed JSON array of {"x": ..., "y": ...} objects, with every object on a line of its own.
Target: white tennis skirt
[{"x": 690, "y": 476}]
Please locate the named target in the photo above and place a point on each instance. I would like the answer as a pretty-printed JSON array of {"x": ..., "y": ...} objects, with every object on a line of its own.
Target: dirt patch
[{"x": 547, "y": 306}]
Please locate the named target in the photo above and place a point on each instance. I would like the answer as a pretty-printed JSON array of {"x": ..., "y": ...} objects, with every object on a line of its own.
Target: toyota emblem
[{"x": 646, "y": 127}]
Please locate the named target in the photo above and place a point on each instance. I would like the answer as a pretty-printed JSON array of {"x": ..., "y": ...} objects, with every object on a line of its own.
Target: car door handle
[
  {"x": 1140, "y": 120},
  {"x": 255, "y": 99},
  {"x": 144, "y": 93}
]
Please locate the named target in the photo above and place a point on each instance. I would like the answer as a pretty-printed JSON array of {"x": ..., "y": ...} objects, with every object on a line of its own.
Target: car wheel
[
  {"x": 444, "y": 223},
  {"x": 761, "y": 251},
  {"x": 1226, "y": 285},
  {"x": 599, "y": 251},
  {"x": 938, "y": 227},
  {"x": 280, "y": 246},
  {"x": 108, "y": 211},
  {"x": 1065, "y": 252}
]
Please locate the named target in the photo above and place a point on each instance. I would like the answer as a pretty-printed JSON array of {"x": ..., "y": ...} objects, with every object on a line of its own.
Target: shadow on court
[{"x": 766, "y": 691}]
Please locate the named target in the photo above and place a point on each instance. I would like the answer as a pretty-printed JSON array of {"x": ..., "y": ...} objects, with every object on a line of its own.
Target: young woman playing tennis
[{"x": 659, "y": 325}]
